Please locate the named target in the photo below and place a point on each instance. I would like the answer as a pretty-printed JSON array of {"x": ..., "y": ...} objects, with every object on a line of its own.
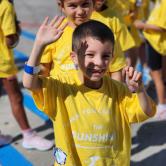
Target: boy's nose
[
  {"x": 98, "y": 61},
  {"x": 80, "y": 10}
]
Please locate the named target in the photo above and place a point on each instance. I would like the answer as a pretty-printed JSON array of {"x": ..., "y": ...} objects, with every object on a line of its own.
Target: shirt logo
[{"x": 60, "y": 156}]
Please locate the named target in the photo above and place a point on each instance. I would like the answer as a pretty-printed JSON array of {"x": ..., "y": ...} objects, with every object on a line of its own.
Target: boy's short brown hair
[{"x": 94, "y": 29}]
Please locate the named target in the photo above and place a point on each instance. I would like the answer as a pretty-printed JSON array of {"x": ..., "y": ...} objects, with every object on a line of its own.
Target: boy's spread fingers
[
  {"x": 138, "y": 77},
  {"x": 58, "y": 34},
  {"x": 45, "y": 22},
  {"x": 58, "y": 22},
  {"x": 64, "y": 26},
  {"x": 53, "y": 21},
  {"x": 127, "y": 77},
  {"x": 131, "y": 70},
  {"x": 134, "y": 78}
]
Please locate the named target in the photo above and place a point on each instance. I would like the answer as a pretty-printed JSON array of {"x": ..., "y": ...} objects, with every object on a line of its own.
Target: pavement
[{"x": 148, "y": 138}]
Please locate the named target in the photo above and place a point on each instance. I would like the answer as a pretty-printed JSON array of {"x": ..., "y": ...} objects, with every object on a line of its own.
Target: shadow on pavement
[
  {"x": 158, "y": 159},
  {"x": 150, "y": 134}
]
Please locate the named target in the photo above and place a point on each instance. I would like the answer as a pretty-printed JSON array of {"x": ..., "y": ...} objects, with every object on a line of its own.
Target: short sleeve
[
  {"x": 130, "y": 106},
  {"x": 45, "y": 99},
  {"x": 133, "y": 108},
  {"x": 48, "y": 54},
  {"x": 8, "y": 20},
  {"x": 161, "y": 22},
  {"x": 119, "y": 61},
  {"x": 122, "y": 34}
]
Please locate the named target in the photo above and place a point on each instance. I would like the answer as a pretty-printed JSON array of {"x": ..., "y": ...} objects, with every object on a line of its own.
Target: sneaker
[
  {"x": 160, "y": 114},
  {"x": 36, "y": 142},
  {"x": 5, "y": 139}
]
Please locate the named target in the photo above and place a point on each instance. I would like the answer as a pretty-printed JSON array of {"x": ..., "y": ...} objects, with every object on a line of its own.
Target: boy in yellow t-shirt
[
  {"x": 58, "y": 53},
  {"x": 8, "y": 70},
  {"x": 91, "y": 113},
  {"x": 154, "y": 31}
]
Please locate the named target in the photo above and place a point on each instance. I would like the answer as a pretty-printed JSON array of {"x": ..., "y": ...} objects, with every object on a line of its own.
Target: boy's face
[
  {"x": 78, "y": 11},
  {"x": 93, "y": 59}
]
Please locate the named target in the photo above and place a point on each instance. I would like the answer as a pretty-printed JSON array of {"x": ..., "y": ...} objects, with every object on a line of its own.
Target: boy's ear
[{"x": 74, "y": 58}]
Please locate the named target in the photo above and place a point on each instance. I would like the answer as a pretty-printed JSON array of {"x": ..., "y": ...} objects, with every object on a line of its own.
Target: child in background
[
  {"x": 8, "y": 71},
  {"x": 58, "y": 53},
  {"x": 102, "y": 11},
  {"x": 91, "y": 113},
  {"x": 154, "y": 31}
]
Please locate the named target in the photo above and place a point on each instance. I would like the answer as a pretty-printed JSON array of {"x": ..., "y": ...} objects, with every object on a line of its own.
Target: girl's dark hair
[{"x": 94, "y": 29}]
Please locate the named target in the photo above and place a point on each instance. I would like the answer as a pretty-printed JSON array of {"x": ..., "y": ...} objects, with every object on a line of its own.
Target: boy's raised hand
[
  {"x": 49, "y": 32},
  {"x": 133, "y": 79}
]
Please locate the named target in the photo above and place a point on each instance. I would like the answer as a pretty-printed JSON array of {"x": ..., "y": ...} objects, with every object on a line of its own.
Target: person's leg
[
  {"x": 159, "y": 84},
  {"x": 16, "y": 100},
  {"x": 142, "y": 54},
  {"x": 164, "y": 69},
  {"x": 4, "y": 139},
  {"x": 155, "y": 64},
  {"x": 30, "y": 139}
]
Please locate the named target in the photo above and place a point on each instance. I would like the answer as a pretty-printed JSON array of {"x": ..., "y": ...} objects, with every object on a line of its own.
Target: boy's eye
[
  {"x": 106, "y": 56},
  {"x": 89, "y": 55},
  {"x": 72, "y": 5},
  {"x": 86, "y": 4}
]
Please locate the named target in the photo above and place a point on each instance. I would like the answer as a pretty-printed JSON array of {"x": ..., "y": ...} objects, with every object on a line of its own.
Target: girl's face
[{"x": 77, "y": 11}]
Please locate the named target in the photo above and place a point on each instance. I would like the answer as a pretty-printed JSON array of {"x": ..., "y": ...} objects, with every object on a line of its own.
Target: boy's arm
[
  {"x": 134, "y": 82},
  {"x": 47, "y": 33},
  {"x": 33, "y": 81}
]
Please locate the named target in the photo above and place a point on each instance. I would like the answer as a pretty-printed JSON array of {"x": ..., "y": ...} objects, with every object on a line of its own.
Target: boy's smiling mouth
[{"x": 96, "y": 72}]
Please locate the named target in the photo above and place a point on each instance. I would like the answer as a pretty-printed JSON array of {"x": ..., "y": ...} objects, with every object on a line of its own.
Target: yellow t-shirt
[
  {"x": 143, "y": 11},
  {"x": 91, "y": 126},
  {"x": 7, "y": 27},
  {"x": 157, "y": 17},
  {"x": 59, "y": 53},
  {"x": 123, "y": 7},
  {"x": 120, "y": 30}
]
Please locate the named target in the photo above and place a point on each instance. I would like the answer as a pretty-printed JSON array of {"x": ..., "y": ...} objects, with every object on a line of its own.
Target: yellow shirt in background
[
  {"x": 119, "y": 29},
  {"x": 91, "y": 126},
  {"x": 144, "y": 9},
  {"x": 59, "y": 53},
  {"x": 158, "y": 18},
  {"x": 7, "y": 27},
  {"x": 124, "y": 7}
]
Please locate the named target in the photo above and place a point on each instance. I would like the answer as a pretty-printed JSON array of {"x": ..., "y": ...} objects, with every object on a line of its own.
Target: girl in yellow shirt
[
  {"x": 8, "y": 70},
  {"x": 58, "y": 53}
]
